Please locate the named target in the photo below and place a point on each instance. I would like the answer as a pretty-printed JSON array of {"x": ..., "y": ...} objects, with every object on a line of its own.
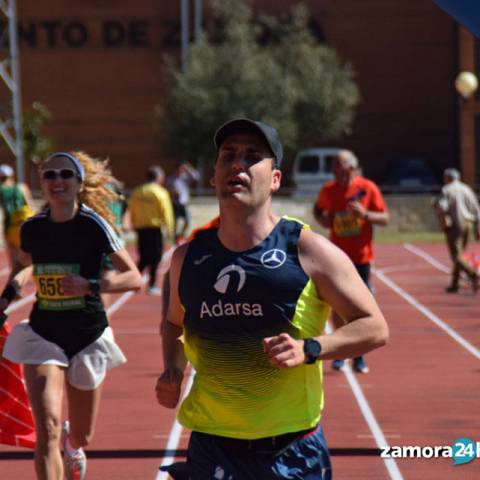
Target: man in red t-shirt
[{"x": 349, "y": 206}]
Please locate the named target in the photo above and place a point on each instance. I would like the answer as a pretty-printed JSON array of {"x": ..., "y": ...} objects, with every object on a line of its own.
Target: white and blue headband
[{"x": 76, "y": 163}]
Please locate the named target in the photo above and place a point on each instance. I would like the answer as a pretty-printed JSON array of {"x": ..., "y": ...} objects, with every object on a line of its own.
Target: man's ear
[
  {"x": 276, "y": 179},
  {"x": 212, "y": 182}
]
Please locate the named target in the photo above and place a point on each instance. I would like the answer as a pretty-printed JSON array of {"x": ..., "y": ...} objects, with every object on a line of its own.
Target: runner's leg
[
  {"x": 45, "y": 391},
  {"x": 82, "y": 412}
]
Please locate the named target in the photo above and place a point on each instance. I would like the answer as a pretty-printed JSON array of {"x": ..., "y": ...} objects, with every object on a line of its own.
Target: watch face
[
  {"x": 313, "y": 348},
  {"x": 94, "y": 287}
]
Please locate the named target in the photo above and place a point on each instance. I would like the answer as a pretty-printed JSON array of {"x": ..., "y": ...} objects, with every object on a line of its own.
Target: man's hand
[
  {"x": 168, "y": 388},
  {"x": 284, "y": 351},
  {"x": 357, "y": 209},
  {"x": 324, "y": 218}
]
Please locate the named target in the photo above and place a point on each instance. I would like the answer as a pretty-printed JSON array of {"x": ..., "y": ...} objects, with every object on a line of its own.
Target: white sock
[{"x": 71, "y": 451}]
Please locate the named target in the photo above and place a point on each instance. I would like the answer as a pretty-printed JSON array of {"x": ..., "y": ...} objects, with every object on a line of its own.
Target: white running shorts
[{"x": 85, "y": 371}]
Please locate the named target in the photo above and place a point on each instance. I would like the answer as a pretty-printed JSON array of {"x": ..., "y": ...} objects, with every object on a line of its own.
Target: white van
[{"x": 312, "y": 167}]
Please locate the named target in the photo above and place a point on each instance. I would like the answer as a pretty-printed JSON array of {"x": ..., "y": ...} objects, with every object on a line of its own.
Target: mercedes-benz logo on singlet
[
  {"x": 225, "y": 276},
  {"x": 273, "y": 258}
]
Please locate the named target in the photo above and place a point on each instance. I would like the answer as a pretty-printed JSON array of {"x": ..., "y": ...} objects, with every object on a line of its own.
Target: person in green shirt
[{"x": 17, "y": 205}]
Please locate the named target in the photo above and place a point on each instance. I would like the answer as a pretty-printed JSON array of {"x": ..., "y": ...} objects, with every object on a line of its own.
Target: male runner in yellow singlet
[{"x": 251, "y": 298}]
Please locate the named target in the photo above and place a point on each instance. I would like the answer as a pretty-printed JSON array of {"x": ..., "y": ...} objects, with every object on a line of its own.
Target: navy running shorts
[{"x": 305, "y": 457}]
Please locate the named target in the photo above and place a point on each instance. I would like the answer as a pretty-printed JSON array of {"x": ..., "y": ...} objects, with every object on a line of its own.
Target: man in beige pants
[{"x": 459, "y": 214}]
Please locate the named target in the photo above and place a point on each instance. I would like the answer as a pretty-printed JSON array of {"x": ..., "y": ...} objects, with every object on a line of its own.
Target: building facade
[{"x": 98, "y": 67}]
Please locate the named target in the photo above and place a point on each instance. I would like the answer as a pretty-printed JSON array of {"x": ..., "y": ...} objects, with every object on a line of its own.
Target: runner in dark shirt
[{"x": 67, "y": 336}]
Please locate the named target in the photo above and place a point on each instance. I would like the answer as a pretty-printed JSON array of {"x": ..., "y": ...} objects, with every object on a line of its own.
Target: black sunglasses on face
[{"x": 54, "y": 173}]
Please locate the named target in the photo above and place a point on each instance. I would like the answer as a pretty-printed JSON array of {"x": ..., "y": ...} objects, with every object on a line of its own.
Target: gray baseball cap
[{"x": 245, "y": 125}]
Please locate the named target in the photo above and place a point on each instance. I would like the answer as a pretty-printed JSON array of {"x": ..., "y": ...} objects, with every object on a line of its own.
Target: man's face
[
  {"x": 447, "y": 179},
  {"x": 342, "y": 170},
  {"x": 244, "y": 170}
]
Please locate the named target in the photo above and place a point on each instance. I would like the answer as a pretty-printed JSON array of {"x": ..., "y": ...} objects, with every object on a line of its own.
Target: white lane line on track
[
  {"x": 20, "y": 303},
  {"x": 427, "y": 257},
  {"x": 373, "y": 425},
  {"x": 122, "y": 299},
  {"x": 432, "y": 261},
  {"x": 401, "y": 268},
  {"x": 429, "y": 314},
  {"x": 174, "y": 436}
]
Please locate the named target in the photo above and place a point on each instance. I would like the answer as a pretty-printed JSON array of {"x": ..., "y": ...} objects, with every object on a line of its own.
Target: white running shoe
[
  {"x": 75, "y": 465},
  {"x": 156, "y": 291}
]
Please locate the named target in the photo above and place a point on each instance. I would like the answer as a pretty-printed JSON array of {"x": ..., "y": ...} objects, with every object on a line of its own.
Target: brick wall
[{"x": 98, "y": 67}]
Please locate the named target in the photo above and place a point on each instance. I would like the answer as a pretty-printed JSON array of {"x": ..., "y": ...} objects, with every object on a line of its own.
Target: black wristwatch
[
  {"x": 94, "y": 285},
  {"x": 312, "y": 350}
]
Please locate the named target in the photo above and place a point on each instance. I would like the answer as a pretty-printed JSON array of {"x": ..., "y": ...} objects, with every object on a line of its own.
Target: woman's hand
[{"x": 75, "y": 285}]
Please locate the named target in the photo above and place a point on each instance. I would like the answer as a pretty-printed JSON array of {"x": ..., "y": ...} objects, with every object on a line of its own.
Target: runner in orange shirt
[{"x": 348, "y": 206}]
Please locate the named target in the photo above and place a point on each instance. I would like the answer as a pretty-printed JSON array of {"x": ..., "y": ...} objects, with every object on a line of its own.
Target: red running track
[{"x": 422, "y": 389}]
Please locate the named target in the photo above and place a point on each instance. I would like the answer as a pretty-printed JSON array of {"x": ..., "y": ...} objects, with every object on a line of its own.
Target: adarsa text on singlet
[{"x": 221, "y": 309}]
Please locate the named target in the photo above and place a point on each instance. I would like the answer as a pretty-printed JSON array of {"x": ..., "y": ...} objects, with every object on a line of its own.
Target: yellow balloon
[{"x": 466, "y": 83}]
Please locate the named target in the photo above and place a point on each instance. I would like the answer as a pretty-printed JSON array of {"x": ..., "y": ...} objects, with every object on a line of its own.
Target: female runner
[{"x": 67, "y": 336}]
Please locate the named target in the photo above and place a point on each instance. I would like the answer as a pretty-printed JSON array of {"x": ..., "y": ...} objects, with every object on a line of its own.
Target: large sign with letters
[{"x": 109, "y": 34}]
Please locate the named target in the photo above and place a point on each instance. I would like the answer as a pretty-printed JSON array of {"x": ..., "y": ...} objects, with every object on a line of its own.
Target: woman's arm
[
  {"x": 127, "y": 277},
  {"x": 19, "y": 276}
]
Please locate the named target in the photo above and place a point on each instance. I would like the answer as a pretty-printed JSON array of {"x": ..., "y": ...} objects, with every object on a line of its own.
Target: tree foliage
[
  {"x": 285, "y": 78},
  {"x": 36, "y": 143}
]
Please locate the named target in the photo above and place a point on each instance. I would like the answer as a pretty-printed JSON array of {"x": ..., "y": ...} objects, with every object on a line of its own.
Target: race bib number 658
[{"x": 48, "y": 280}]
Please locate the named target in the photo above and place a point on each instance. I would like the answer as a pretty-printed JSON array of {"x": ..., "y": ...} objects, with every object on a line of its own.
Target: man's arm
[
  {"x": 372, "y": 216},
  {"x": 132, "y": 210},
  {"x": 338, "y": 283},
  {"x": 166, "y": 209},
  {"x": 169, "y": 384},
  {"x": 322, "y": 217},
  {"x": 321, "y": 209},
  {"x": 191, "y": 171},
  {"x": 375, "y": 212}
]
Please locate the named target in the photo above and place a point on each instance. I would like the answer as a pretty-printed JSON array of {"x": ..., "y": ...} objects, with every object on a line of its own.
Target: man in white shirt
[
  {"x": 178, "y": 185},
  {"x": 459, "y": 213}
]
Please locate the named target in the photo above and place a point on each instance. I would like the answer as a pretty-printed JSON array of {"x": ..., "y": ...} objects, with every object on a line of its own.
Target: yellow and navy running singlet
[{"x": 233, "y": 300}]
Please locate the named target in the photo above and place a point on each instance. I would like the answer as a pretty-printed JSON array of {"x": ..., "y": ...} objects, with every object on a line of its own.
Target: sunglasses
[{"x": 54, "y": 173}]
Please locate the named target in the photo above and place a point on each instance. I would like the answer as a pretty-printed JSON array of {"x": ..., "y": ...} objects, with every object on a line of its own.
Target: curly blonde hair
[{"x": 96, "y": 192}]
